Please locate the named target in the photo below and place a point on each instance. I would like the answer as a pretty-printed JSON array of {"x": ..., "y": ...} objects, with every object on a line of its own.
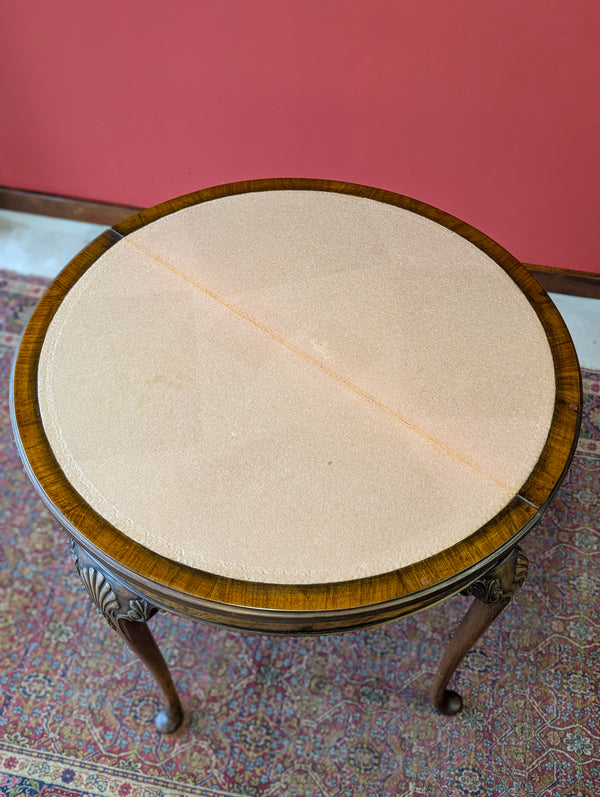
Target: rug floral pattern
[{"x": 335, "y": 716}]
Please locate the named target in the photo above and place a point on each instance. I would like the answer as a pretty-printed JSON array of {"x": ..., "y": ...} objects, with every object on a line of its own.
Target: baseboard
[
  {"x": 554, "y": 280},
  {"x": 563, "y": 280},
  {"x": 63, "y": 207}
]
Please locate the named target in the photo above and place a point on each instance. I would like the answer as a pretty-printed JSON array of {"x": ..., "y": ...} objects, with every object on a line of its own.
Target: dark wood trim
[
  {"x": 563, "y": 280},
  {"x": 64, "y": 207}
]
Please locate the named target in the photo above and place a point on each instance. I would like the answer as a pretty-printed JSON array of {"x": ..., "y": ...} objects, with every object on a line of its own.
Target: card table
[{"x": 295, "y": 407}]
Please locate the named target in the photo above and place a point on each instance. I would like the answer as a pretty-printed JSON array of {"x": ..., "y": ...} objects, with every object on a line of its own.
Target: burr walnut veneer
[{"x": 295, "y": 406}]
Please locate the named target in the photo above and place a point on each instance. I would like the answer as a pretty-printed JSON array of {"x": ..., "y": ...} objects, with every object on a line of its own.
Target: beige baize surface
[{"x": 296, "y": 386}]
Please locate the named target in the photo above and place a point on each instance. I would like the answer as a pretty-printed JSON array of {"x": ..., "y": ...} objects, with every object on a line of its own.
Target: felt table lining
[{"x": 211, "y": 433}]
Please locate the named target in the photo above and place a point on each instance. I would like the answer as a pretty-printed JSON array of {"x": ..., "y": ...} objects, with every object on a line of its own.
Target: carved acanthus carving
[{"x": 503, "y": 580}]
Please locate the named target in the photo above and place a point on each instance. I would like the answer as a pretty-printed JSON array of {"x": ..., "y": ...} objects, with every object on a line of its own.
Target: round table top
[{"x": 290, "y": 386}]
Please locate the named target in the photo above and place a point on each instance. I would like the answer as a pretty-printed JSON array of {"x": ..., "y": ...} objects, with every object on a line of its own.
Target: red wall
[{"x": 489, "y": 110}]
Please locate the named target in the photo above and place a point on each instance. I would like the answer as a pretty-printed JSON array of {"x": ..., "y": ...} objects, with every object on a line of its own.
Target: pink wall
[{"x": 489, "y": 110}]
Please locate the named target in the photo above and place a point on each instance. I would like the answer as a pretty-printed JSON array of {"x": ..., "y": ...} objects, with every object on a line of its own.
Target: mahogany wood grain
[{"x": 139, "y": 639}]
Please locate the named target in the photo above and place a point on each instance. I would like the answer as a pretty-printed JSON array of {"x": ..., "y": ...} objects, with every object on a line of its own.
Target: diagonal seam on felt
[{"x": 365, "y": 395}]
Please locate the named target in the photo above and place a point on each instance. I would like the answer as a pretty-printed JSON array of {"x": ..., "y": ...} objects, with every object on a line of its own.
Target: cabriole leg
[
  {"x": 491, "y": 593},
  {"x": 128, "y": 613}
]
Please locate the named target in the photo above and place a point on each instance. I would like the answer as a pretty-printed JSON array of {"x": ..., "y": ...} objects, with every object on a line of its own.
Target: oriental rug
[{"x": 334, "y": 716}]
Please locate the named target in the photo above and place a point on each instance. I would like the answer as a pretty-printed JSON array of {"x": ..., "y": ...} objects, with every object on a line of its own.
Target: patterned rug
[{"x": 335, "y": 716}]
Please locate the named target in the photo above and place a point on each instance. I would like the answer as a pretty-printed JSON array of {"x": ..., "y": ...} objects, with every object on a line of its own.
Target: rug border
[{"x": 46, "y": 767}]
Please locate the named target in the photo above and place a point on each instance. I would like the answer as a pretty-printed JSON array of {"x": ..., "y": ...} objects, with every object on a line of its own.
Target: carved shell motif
[{"x": 99, "y": 590}]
